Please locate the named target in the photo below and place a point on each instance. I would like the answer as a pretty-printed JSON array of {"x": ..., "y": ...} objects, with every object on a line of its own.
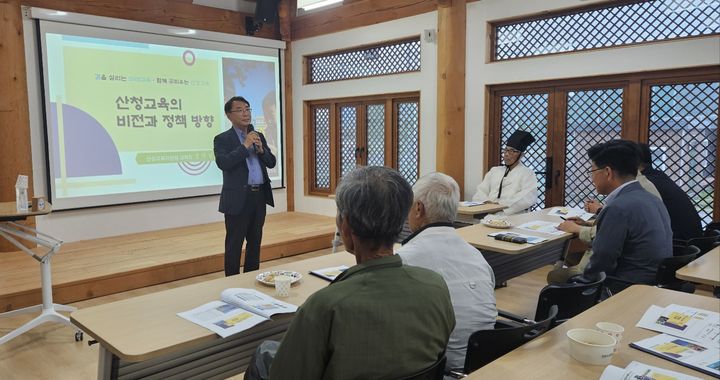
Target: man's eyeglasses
[
  {"x": 511, "y": 150},
  {"x": 243, "y": 110},
  {"x": 594, "y": 170}
]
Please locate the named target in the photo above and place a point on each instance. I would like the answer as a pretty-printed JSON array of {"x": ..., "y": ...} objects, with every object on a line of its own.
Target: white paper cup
[
  {"x": 591, "y": 346},
  {"x": 282, "y": 286},
  {"x": 612, "y": 329}
]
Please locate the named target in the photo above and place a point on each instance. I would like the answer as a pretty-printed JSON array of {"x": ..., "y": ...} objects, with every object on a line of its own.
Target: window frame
[
  {"x": 307, "y": 59},
  {"x": 635, "y": 119},
  {"x": 389, "y": 101},
  {"x": 494, "y": 24}
]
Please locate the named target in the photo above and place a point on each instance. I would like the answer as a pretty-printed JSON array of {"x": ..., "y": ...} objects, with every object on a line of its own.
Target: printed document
[
  {"x": 637, "y": 370},
  {"x": 698, "y": 325},
  {"x": 238, "y": 310}
]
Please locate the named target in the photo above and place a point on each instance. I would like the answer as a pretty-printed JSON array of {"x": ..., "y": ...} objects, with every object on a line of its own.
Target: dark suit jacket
[
  {"x": 633, "y": 237},
  {"x": 684, "y": 218},
  {"x": 230, "y": 157}
]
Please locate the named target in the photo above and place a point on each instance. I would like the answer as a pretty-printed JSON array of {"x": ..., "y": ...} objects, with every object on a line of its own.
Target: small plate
[
  {"x": 268, "y": 278},
  {"x": 497, "y": 223}
]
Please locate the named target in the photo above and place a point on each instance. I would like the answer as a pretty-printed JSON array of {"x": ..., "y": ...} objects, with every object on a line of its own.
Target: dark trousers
[{"x": 248, "y": 225}]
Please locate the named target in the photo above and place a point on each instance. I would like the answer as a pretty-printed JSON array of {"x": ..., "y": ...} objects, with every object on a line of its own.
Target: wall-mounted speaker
[{"x": 266, "y": 11}]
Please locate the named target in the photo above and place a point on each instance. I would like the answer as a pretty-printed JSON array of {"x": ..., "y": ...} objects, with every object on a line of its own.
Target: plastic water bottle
[{"x": 21, "y": 199}]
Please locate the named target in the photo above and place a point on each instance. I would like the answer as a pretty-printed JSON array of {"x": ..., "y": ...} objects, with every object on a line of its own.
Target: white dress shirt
[
  {"x": 469, "y": 278},
  {"x": 519, "y": 188}
]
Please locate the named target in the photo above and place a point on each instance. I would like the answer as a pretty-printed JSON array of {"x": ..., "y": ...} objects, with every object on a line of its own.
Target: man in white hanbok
[
  {"x": 513, "y": 184},
  {"x": 435, "y": 245}
]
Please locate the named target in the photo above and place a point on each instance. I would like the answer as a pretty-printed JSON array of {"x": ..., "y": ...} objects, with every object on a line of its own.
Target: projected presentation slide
[{"x": 128, "y": 117}]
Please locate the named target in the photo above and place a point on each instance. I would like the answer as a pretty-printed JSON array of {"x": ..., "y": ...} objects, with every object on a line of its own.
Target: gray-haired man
[
  {"x": 435, "y": 245},
  {"x": 380, "y": 319}
]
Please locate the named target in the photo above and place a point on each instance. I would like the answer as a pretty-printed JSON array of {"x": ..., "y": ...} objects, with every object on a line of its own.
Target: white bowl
[{"x": 590, "y": 346}]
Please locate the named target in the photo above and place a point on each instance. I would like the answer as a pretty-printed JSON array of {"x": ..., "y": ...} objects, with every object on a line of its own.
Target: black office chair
[
  {"x": 484, "y": 346},
  {"x": 713, "y": 226},
  {"x": 434, "y": 372},
  {"x": 708, "y": 241},
  {"x": 666, "y": 273},
  {"x": 664, "y": 277},
  {"x": 684, "y": 250},
  {"x": 571, "y": 299}
]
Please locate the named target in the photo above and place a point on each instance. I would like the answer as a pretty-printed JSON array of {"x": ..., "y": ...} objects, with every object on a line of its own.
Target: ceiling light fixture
[{"x": 317, "y": 4}]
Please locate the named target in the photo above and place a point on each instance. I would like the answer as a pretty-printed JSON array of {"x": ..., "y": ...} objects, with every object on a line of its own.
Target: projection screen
[{"x": 131, "y": 116}]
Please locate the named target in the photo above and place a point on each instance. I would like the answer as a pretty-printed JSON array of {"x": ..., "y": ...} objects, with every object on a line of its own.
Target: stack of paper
[
  {"x": 571, "y": 212},
  {"x": 541, "y": 226},
  {"x": 637, "y": 370},
  {"x": 329, "y": 274},
  {"x": 690, "y": 337}
]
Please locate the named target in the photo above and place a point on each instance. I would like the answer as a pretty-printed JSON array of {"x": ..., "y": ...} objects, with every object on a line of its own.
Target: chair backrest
[
  {"x": 571, "y": 299},
  {"x": 434, "y": 372},
  {"x": 485, "y": 346},
  {"x": 665, "y": 277},
  {"x": 705, "y": 243},
  {"x": 684, "y": 250},
  {"x": 713, "y": 226}
]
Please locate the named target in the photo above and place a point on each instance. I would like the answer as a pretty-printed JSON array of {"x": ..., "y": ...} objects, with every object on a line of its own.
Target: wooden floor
[{"x": 93, "y": 268}]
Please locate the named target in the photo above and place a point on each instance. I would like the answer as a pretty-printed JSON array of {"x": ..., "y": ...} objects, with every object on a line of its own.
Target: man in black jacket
[
  {"x": 243, "y": 156},
  {"x": 684, "y": 219}
]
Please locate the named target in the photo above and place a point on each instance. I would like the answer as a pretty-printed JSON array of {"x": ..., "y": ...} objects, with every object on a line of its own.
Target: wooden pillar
[
  {"x": 285, "y": 10},
  {"x": 450, "y": 137},
  {"x": 15, "y": 152}
]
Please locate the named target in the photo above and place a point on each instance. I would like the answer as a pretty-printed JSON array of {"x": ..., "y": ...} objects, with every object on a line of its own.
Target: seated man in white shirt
[
  {"x": 435, "y": 245},
  {"x": 513, "y": 184}
]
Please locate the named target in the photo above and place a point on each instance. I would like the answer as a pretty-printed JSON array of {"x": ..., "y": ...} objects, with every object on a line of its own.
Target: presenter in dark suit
[{"x": 243, "y": 156}]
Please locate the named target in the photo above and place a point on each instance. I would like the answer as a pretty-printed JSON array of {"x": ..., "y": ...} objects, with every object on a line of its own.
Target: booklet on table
[{"x": 238, "y": 310}]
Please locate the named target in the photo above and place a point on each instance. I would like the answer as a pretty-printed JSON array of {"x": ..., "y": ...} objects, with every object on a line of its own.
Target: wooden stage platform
[{"x": 92, "y": 268}]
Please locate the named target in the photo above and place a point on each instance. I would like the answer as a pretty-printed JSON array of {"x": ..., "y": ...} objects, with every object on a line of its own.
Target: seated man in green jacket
[{"x": 380, "y": 319}]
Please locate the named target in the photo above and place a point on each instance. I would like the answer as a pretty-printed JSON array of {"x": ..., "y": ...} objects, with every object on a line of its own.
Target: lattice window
[
  {"x": 593, "y": 117},
  {"x": 378, "y": 130},
  {"x": 408, "y": 116},
  {"x": 388, "y": 58},
  {"x": 683, "y": 137},
  {"x": 348, "y": 139},
  {"x": 528, "y": 113},
  {"x": 321, "y": 123},
  {"x": 375, "y": 116},
  {"x": 609, "y": 26}
]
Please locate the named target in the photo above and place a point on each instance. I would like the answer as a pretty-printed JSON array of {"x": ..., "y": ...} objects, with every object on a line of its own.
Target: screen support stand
[{"x": 48, "y": 310}]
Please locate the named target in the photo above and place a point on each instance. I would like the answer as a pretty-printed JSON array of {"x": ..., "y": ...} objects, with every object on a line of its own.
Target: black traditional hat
[{"x": 520, "y": 140}]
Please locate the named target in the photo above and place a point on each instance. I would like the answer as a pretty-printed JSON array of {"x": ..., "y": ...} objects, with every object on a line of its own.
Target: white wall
[
  {"x": 655, "y": 56},
  {"x": 425, "y": 82},
  {"x": 75, "y": 225}
]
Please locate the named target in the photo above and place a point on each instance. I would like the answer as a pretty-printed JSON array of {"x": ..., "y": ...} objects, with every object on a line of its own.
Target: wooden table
[
  {"x": 547, "y": 357},
  {"x": 510, "y": 260},
  {"x": 19, "y": 235},
  {"x": 9, "y": 212},
  {"x": 143, "y": 335},
  {"x": 704, "y": 270}
]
